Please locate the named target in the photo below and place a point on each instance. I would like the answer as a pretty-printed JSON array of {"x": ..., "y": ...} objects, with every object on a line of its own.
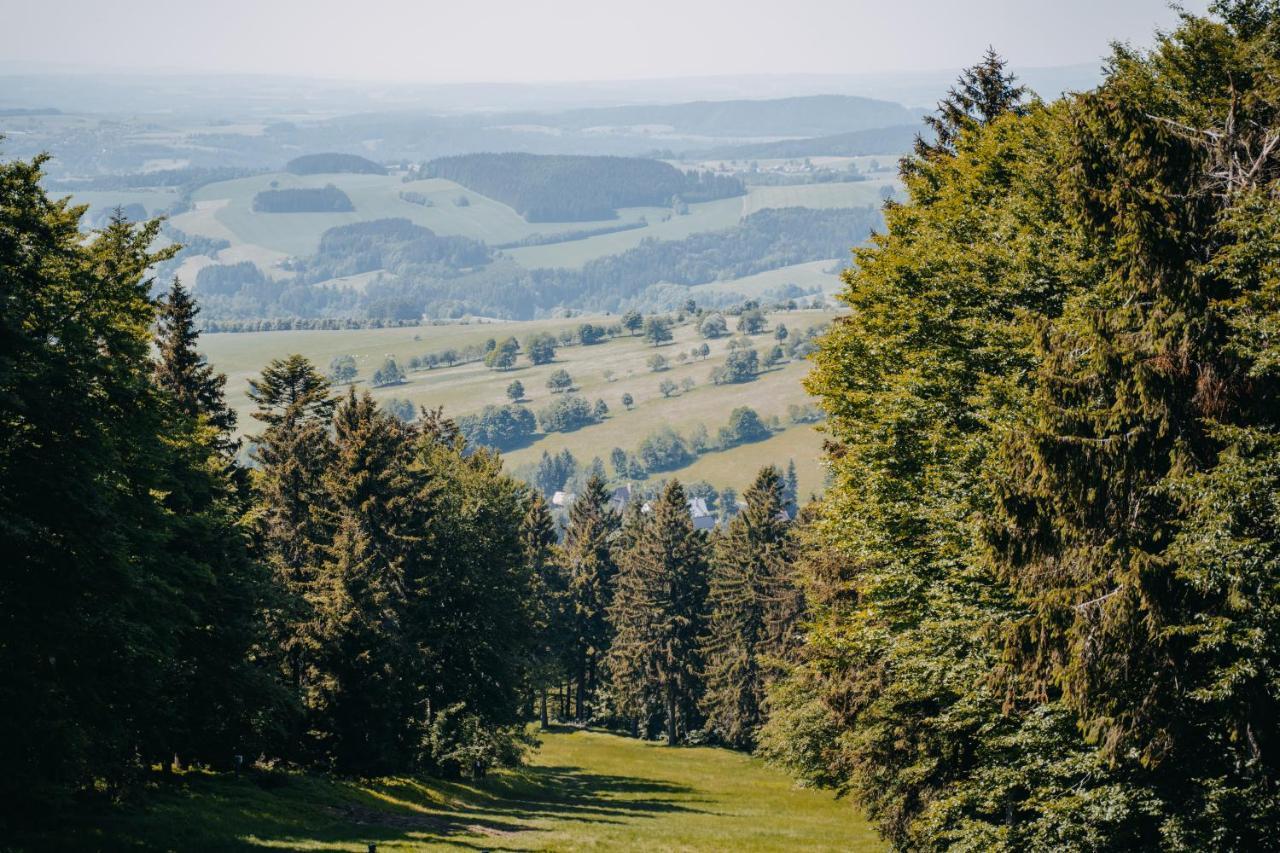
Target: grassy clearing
[
  {"x": 374, "y": 197},
  {"x": 580, "y": 791},
  {"x": 817, "y": 196},
  {"x": 469, "y": 388},
  {"x": 810, "y": 275}
]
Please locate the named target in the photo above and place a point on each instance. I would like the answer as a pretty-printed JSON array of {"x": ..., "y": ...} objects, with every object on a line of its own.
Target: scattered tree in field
[
  {"x": 600, "y": 410},
  {"x": 400, "y": 408},
  {"x": 515, "y": 391},
  {"x": 739, "y": 366},
  {"x": 566, "y": 414},
  {"x": 618, "y": 458},
  {"x": 503, "y": 355},
  {"x": 688, "y": 384},
  {"x": 559, "y": 381},
  {"x": 657, "y": 330},
  {"x": 657, "y": 616},
  {"x": 632, "y": 321},
  {"x": 388, "y": 374},
  {"x": 713, "y": 326},
  {"x": 540, "y": 348},
  {"x": 668, "y": 388},
  {"x": 342, "y": 369},
  {"x": 627, "y": 400},
  {"x": 752, "y": 322},
  {"x": 657, "y": 362},
  {"x": 780, "y": 332}
]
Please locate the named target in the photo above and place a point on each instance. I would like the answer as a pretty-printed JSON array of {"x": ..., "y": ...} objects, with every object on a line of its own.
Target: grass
[
  {"x": 582, "y": 790},
  {"x": 468, "y": 388},
  {"x": 807, "y": 275}
]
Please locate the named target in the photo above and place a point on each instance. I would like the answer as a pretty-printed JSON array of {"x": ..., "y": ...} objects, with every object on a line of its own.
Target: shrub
[
  {"x": 559, "y": 381},
  {"x": 500, "y": 427}
]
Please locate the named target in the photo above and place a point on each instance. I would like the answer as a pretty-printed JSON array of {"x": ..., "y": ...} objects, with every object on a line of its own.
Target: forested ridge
[{"x": 1038, "y": 608}]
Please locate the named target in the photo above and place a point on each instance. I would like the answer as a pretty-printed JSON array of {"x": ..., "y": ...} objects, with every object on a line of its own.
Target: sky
[{"x": 429, "y": 41}]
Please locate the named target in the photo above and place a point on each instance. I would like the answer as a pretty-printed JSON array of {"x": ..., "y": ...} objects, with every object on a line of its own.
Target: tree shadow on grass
[{"x": 218, "y": 812}]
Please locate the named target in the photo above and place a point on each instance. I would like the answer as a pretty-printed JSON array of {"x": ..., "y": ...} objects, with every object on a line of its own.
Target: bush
[
  {"x": 461, "y": 744},
  {"x": 667, "y": 388},
  {"x": 657, "y": 362}
]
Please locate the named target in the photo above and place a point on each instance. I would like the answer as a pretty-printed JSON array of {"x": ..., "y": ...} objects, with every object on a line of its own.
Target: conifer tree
[
  {"x": 360, "y": 699},
  {"x": 753, "y": 609},
  {"x": 589, "y": 562},
  {"x": 550, "y": 603},
  {"x": 983, "y": 93},
  {"x": 182, "y": 371},
  {"x": 657, "y": 615},
  {"x": 294, "y": 523}
]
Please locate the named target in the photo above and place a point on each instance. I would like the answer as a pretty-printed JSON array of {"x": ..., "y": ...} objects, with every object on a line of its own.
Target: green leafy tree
[
  {"x": 342, "y": 369},
  {"x": 657, "y": 330},
  {"x": 559, "y": 381},
  {"x": 540, "y": 348},
  {"x": 632, "y": 321},
  {"x": 515, "y": 391}
]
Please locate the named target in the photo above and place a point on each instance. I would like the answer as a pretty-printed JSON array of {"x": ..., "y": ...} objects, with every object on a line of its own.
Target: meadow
[
  {"x": 468, "y": 388},
  {"x": 225, "y": 210},
  {"x": 580, "y": 790}
]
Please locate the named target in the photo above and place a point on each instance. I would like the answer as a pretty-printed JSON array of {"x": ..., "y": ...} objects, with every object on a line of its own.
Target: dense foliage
[
  {"x": 1044, "y": 582},
  {"x": 326, "y": 199}
]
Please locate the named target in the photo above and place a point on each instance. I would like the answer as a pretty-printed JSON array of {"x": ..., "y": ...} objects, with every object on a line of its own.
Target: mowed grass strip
[{"x": 582, "y": 790}]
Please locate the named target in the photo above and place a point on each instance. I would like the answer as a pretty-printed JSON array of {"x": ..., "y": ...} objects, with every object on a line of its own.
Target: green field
[
  {"x": 468, "y": 388},
  {"x": 581, "y": 790},
  {"x": 808, "y": 275},
  {"x": 225, "y": 210}
]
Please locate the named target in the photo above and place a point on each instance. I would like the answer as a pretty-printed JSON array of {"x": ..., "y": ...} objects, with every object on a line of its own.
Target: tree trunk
[
  {"x": 671, "y": 715},
  {"x": 545, "y": 721},
  {"x": 582, "y": 686}
]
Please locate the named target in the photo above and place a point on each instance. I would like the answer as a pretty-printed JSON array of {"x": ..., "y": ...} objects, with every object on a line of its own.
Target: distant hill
[
  {"x": 816, "y": 115},
  {"x": 885, "y": 140},
  {"x": 577, "y": 188},
  {"x": 324, "y": 164}
]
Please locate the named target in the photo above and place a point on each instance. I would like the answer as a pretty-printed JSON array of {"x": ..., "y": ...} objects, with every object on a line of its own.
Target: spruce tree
[
  {"x": 360, "y": 698},
  {"x": 294, "y": 524},
  {"x": 753, "y": 609},
  {"x": 591, "y": 568},
  {"x": 550, "y": 603},
  {"x": 657, "y": 615},
  {"x": 983, "y": 93},
  {"x": 182, "y": 371}
]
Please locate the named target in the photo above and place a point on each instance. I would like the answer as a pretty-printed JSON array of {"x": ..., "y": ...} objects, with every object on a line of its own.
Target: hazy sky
[{"x": 550, "y": 40}]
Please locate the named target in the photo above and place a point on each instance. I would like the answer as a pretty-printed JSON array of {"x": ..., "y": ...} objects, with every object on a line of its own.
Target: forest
[
  {"x": 327, "y": 199},
  {"x": 1038, "y": 607},
  {"x": 570, "y": 188},
  {"x": 321, "y": 164}
]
